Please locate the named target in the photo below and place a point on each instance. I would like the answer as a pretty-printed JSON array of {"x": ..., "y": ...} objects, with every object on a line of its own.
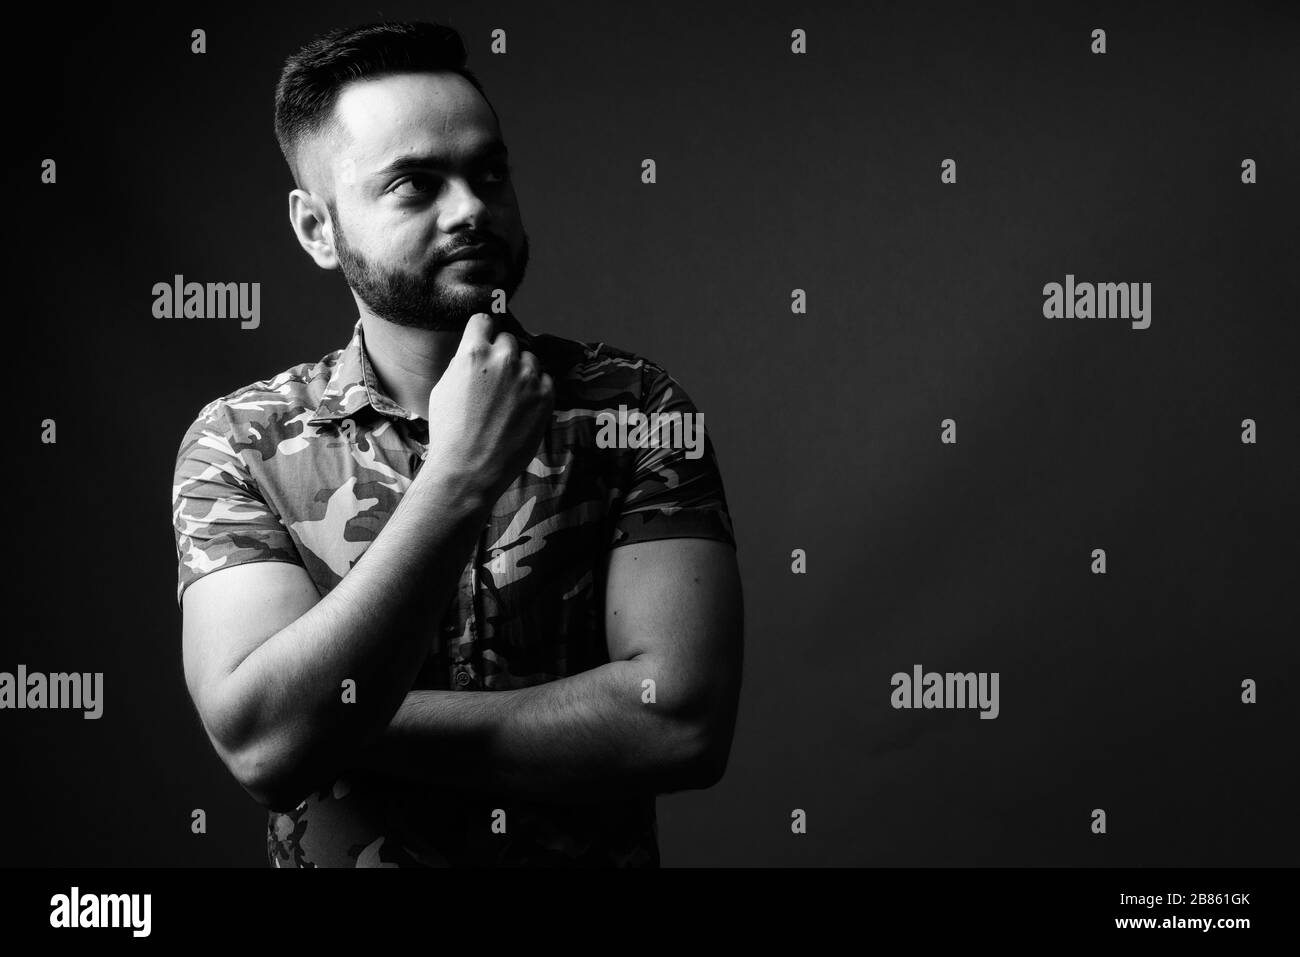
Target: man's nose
[{"x": 462, "y": 204}]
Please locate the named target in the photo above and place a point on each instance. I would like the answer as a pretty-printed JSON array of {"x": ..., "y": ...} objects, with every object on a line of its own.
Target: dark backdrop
[{"x": 776, "y": 172}]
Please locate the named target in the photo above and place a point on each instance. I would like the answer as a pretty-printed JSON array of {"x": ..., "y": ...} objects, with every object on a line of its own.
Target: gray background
[{"x": 776, "y": 172}]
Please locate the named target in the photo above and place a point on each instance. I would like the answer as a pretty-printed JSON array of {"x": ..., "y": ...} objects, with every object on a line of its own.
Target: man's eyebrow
[{"x": 412, "y": 161}]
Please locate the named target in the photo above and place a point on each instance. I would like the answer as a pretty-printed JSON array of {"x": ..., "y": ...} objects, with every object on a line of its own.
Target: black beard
[{"x": 418, "y": 301}]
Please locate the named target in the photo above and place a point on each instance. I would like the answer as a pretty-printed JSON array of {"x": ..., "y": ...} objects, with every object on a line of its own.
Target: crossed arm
[
  {"x": 658, "y": 717},
  {"x": 265, "y": 657}
]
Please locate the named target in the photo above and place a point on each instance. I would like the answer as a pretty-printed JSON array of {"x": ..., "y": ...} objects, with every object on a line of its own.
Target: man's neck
[{"x": 409, "y": 361}]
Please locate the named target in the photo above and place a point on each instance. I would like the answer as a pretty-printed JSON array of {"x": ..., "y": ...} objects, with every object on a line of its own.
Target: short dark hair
[{"x": 312, "y": 78}]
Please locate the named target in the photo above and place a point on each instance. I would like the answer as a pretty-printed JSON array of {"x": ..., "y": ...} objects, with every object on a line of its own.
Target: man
[{"x": 429, "y": 619}]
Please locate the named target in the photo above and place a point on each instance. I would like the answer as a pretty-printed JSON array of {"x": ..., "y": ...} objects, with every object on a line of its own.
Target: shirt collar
[{"x": 353, "y": 384}]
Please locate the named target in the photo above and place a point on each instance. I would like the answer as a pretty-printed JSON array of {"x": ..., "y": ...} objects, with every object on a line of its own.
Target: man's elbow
[
  {"x": 269, "y": 782},
  {"x": 710, "y": 765},
  {"x": 263, "y": 763},
  {"x": 700, "y": 755},
  {"x": 260, "y": 777},
  {"x": 265, "y": 772}
]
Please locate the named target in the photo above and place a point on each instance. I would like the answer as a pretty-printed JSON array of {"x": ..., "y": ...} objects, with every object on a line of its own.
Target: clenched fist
[{"x": 489, "y": 411}]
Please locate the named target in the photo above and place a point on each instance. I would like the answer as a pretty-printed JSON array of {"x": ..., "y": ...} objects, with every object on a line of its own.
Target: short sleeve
[
  {"x": 219, "y": 516},
  {"x": 675, "y": 488}
]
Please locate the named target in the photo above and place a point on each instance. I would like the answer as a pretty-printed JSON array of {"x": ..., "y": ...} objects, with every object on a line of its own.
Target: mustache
[{"x": 491, "y": 247}]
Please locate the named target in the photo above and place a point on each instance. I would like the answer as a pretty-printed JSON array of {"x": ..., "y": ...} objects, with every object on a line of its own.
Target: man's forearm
[
  {"x": 372, "y": 628},
  {"x": 586, "y": 738}
]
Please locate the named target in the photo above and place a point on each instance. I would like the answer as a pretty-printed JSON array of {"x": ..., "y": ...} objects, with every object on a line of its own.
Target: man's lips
[{"x": 473, "y": 252}]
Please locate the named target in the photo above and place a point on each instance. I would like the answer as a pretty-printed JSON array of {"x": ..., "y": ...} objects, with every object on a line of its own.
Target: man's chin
[
  {"x": 439, "y": 319},
  {"x": 475, "y": 286},
  {"x": 441, "y": 322},
  {"x": 445, "y": 310}
]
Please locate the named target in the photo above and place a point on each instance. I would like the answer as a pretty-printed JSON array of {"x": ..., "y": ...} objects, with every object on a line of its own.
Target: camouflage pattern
[{"x": 308, "y": 466}]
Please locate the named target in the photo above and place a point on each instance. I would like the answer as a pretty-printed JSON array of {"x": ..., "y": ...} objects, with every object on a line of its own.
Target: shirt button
[{"x": 462, "y": 678}]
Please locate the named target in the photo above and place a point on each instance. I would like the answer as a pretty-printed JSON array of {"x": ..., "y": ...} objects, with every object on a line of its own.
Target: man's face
[{"x": 420, "y": 171}]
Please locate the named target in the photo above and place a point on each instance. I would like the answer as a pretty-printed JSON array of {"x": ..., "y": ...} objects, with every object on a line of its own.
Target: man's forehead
[{"x": 410, "y": 113}]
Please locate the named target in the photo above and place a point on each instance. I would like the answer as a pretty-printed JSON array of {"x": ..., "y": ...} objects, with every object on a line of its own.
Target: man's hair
[{"x": 313, "y": 77}]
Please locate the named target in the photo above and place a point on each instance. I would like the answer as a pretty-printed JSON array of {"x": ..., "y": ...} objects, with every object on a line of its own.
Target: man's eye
[
  {"x": 499, "y": 174},
  {"x": 414, "y": 186}
]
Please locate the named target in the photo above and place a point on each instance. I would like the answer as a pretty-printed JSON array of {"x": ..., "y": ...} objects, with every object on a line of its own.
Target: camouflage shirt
[{"x": 308, "y": 466}]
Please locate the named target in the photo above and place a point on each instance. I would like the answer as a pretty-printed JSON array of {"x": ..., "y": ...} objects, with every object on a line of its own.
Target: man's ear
[{"x": 311, "y": 223}]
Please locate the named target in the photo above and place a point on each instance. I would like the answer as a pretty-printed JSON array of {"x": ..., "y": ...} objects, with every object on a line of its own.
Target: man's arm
[
  {"x": 674, "y": 616},
  {"x": 265, "y": 656}
]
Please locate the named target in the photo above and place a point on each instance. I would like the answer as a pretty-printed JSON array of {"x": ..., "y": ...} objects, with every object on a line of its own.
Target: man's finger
[
  {"x": 506, "y": 344},
  {"x": 479, "y": 331}
]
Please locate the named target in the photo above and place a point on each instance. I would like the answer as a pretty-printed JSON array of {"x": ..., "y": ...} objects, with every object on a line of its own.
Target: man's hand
[{"x": 489, "y": 410}]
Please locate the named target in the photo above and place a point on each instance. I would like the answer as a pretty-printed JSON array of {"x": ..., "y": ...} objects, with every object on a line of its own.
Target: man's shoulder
[
  {"x": 597, "y": 367},
  {"x": 271, "y": 404}
]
